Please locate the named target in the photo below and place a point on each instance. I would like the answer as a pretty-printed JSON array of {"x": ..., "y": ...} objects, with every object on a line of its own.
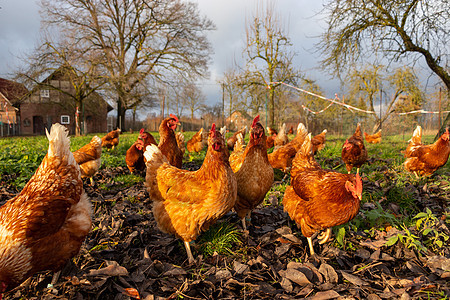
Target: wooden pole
[
  {"x": 440, "y": 108},
  {"x": 223, "y": 104}
]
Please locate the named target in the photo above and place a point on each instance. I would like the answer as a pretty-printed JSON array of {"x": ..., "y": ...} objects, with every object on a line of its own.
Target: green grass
[
  {"x": 220, "y": 238},
  {"x": 21, "y": 156}
]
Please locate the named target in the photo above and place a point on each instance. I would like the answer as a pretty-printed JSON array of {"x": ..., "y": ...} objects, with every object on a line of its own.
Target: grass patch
[{"x": 220, "y": 239}]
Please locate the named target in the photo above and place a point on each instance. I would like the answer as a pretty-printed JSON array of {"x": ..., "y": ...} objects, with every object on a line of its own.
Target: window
[
  {"x": 45, "y": 93},
  {"x": 65, "y": 120},
  {"x": 26, "y": 123}
]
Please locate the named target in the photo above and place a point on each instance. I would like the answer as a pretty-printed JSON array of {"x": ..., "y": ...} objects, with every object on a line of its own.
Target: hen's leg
[
  {"x": 324, "y": 236},
  {"x": 244, "y": 227},
  {"x": 189, "y": 253},
  {"x": 92, "y": 181},
  {"x": 311, "y": 250},
  {"x": 357, "y": 171},
  {"x": 54, "y": 279}
]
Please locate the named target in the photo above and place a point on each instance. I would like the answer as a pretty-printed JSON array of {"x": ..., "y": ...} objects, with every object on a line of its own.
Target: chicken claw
[{"x": 324, "y": 236}]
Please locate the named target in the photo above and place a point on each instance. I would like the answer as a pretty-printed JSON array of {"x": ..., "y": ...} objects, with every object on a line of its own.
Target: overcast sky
[{"x": 20, "y": 25}]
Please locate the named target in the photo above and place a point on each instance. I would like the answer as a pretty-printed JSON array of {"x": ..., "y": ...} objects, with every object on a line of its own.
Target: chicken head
[{"x": 172, "y": 124}]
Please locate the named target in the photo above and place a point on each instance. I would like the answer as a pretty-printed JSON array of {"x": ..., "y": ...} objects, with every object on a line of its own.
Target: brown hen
[
  {"x": 424, "y": 160},
  {"x": 319, "y": 199},
  {"x": 89, "y": 158},
  {"x": 373, "y": 138},
  {"x": 195, "y": 144},
  {"x": 253, "y": 171},
  {"x": 168, "y": 142},
  {"x": 45, "y": 224},
  {"x": 318, "y": 142},
  {"x": 111, "y": 139},
  {"x": 281, "y": 158},
  {"x": 232, "y": 140},
  {"x": 354, "y": 153},
  {"x": 185, "y": 203},
  {"x": 134, "y": 157}
]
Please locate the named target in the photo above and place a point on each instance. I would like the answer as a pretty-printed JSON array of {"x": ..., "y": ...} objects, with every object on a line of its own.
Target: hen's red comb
[
  {"x": 141, "y": 131},
  {"x": 213, "y": 127},
  {"x": 175, "y": 117},
  {"x": 255, "y": 120}
]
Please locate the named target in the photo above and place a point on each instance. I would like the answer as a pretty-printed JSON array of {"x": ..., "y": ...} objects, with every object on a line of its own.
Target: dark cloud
[{"x": 20, "y": 24}]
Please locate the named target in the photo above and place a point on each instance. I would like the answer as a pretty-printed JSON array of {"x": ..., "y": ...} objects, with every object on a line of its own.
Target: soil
[{"x": 126, "y": 256}]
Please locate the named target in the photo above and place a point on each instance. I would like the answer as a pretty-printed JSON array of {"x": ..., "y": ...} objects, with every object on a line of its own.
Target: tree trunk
[
  {"x": 272, "y": 108},
  {"x": 446, "y": 122},
  {"x": 77, "y": 119},
  {"x": 120, "y": 122}
]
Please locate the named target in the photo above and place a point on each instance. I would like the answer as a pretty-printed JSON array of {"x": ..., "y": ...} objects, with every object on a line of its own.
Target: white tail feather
[
  {"x": 151, "y": 151},
  {"x": 59, "y": 143},
  {"x": 300, "y": 128},
  {"x": 96, "y": 140},
  {"x": 306, "y": 146},
  {"x": 223, "y": 131}
]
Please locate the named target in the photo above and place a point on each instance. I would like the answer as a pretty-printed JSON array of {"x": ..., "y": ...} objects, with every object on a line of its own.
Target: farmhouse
[
  {"x": 45, "y": 106},
  {"x": 10, "y": 94},
  {"x": 238, "y": 120}
]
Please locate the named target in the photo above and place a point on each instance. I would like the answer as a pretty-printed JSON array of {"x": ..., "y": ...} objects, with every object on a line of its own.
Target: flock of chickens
[{"x": 46, "y": 223}]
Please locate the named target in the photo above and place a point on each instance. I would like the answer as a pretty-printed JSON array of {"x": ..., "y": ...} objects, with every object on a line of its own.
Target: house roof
[
  {"x": 13, "y": 91},
  {"x": 59, "y": 74}
]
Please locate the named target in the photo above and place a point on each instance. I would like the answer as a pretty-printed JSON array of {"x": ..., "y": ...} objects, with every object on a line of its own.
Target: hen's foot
[{"x": 324, "y": 236}]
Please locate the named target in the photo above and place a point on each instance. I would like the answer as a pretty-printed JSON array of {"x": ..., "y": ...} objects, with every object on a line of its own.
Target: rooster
[
  {"x": 89, "y": 158},
  {"x": 111, "y": 139},
  {"x": 195, "y": 144},
  {"x": 168, "y": 142},
  {"x": 185, "y": 203},
  {"x": 354, "y": 153},
  {"x": 373, "y": 138},
  {"x": 253, "y": 171},
  {"x": 319, "y": 199},
  {"x": 45, "y": 224},
  {"x": 318, "y": 141},
  {"x": 424, "y": 160}
]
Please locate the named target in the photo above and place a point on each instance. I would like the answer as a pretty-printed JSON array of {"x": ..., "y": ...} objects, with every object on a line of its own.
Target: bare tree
[
  {"x": 232, "y": 90},
  {"x": 63, "y": 60},
  {"x": 268, "y": 56},
  {"x": 368, "y": 83},
  {"x": 193, "y": 99},
  {"x": 410, "y": 29},
  {"x": 136, "y": 39}
]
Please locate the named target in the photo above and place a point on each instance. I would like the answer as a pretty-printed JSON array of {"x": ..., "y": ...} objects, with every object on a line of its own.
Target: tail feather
[
  {"x": 303, "y": 157},
  {"x": 417, "y": 136},
  {"x": 305, "y": 149},
  {"x": 239, "y": 142},
  {"x": 96, "y": 141},
  {"x": 223, "y": 131},
  {"x": 154, "y": 156},
  {"x": 301, "y": 128},
  {"x": 302, "y": 132},
  {"x": 59, "y": 143}
]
